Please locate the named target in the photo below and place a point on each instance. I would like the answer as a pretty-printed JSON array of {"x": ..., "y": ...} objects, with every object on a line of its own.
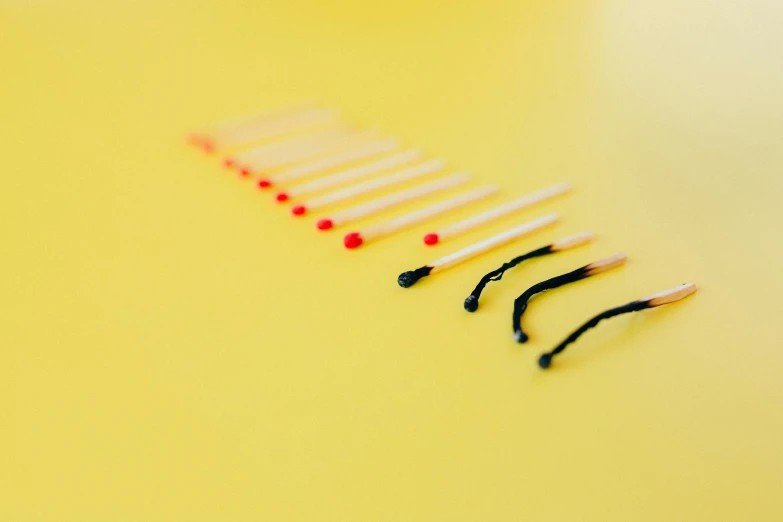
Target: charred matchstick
[
  {"x": 661, "y": 298},
  {"x": 520, "y": 304},
  {"x": 472, "y": 301},
  {"x": 408, "y": 279}
]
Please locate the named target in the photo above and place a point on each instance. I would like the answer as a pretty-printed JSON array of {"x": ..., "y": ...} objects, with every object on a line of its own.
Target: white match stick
[
  {"x": 392, "y": 200},
  {"x": 259, "y": 157},
  {"x": 356, "y": 239},
  {"x": 336, "y": 160},
  {"x": 267, "y": 129},
  {"x": 407, "y": 279},
  {"x": 228, "y": 127},
  {"x": 361, "y": 171},
  {"x": 307, "y": 151},
  {"x": 483, "y": 218},
  {"x": 670, "y": 295},
  {"x": 416, "y": 171}
]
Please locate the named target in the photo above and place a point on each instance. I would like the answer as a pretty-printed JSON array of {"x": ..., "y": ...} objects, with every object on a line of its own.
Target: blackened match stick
[
  {"x": 472, "y": 301},
  {"x": 521, "y": 302},
  {"x": 659, "y": 299},
  {"x": 408, "y": 279}
]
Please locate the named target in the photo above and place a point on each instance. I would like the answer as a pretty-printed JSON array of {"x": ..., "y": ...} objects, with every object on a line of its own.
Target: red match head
[
  {"x": 228, "y": 163},
  {"x": 431, "y": 239},
  {"x": 281, "y": 197},
  {"x": 353, "y": 240},
  {"x": 264, "y": 183},
  {"x": 325, "y": 224},
  {"x": 245, "y": 171},
  {"x": 298, "y": 210}
]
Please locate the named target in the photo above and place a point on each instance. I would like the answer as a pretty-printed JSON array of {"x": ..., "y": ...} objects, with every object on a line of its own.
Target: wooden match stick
[
  {"x": 357, "y": 239},
  {"x": 520, "y": 304},
  {"x": 407, "y": 279},
  {"x": 488, "y": 216},
  {"x": 289, "y": 149},
  {"x": 339, "y": 159},
  {"x": 661, "y": 298},
  {"x": 416, "y": 171},
  {"x": 235, "y": 125},
  {"x": 263, "y": 130},
  {"x": 378, "y": 205},
  {"x": 472, "y": 301},
  {"x": 361, "y": 171}
]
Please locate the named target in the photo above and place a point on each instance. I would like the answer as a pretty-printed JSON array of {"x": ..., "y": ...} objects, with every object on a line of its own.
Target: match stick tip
[
  {"x": 281, "y": 197},
  {"x": 298, "y": 210},
  {"x": 407, "y": 279},
  {"x": 431, "y": 239},
  {"x": 245, "y": 171},
  {"x": 471, "y": 303},
  {"x": 228, "y": 163},
  {"x": 353, "y": 240},
  {"x": 520, "y": 336},
  {"x": 325, "y": 224},
  {"x": 545, "y": 361},
  {"x": 264, "y": 183}
]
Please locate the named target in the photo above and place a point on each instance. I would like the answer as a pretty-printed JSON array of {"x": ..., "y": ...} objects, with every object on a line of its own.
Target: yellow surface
[{"x": 174, "y": 347}]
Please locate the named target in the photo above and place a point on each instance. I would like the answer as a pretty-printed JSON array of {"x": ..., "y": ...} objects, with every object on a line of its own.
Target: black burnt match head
[
  {"x": 471, "y": 303},
  {"x": 408, "y": 279}
]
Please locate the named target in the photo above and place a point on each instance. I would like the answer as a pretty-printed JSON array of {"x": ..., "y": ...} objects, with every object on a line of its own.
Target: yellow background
[{"x": 174, "y": 347}]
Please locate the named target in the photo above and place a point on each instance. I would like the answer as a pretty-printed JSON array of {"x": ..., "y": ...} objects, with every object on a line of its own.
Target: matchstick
[
  {"x": 410, "y": 173},
  {"x": 520, "y": 304},
  {"x": 357, "y": 239},
  {"x": 407, "y": 279},
  {"x": 296, "y": 148},
  {"x": 659, "y": 299},
  {"x": 355, "y": 173},
  {"x": 493, "y": 214},
  {"x": 394, "y": 199},
  {"x": 472, "y": 301},
  {"x": 262, "y": 130},
  {"x": 363, "y": 152}
]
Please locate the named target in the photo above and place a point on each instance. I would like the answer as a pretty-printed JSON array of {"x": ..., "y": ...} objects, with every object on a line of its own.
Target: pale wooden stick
[
  {"x": 230, "y": 126},
  {"x": 269, "y": 129},
  {"x": 356, "y": 239},
  {"x": 460, "y": 227},
  {"x": 336, "y": 160},
  {"x": 361, "y": 171},
  {"x": 309, "y": 150},
  {"x": 671, "y": 295},
  {"x": 381, "y": 204},
  {"x": 416, "y": 171},
  {"x": 572, "y": 241},
  {"x": 252, "y": 156},
  {"x": 492, "y": 242},
  {"x": 409, "y": 278}
]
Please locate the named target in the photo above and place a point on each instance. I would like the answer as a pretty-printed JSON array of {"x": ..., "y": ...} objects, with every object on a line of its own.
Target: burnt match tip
[
  {"x": 471, "y": 303},
  {"x": 545, "y": 360},
  {"x": 407, "y": 279},
  {"x": 520, "y": 336}
]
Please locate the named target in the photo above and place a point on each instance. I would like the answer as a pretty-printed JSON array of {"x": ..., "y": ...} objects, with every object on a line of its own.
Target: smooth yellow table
[{"x": 174, "y": 347}]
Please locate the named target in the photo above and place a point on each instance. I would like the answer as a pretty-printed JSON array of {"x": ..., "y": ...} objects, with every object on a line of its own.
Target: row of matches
[
  {"x": 303, "y": 152},
  {"x": 408, "y": 279},
  {"x": 282, "y": 148}
]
